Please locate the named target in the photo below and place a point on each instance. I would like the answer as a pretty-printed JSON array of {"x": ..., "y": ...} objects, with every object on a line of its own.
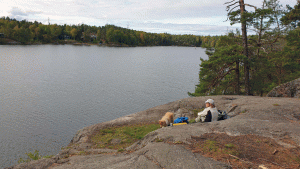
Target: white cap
[{"x": 211, "y": 101}]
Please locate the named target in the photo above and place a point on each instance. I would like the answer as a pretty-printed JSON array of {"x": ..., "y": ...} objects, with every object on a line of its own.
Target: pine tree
[{"x": 240, "y": 16}]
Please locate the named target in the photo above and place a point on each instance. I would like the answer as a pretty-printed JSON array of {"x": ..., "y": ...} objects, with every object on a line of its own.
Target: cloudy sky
[{"x": 198, "y": 17}]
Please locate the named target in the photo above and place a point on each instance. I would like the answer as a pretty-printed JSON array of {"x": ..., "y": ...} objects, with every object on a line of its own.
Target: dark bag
[{"x": 222, "y": 115}]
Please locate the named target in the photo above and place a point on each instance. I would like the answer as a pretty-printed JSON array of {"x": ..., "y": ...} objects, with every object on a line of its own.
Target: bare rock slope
[{"x": 275, "y": 118}]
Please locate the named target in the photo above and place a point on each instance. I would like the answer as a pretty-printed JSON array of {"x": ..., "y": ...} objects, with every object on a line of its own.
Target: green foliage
[
  {"x": 274, "y": 56},
  {"x": 292, "y": 15},
  {"x": 74, "y": 33},
  {"x": 34, "y": 156},
  {"x": 220, "y": 73},
  {"x": 209, "y": 41}
]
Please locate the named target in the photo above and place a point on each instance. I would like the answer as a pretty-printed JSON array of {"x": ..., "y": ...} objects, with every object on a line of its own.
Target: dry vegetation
[{"x": 247, "y": 151}]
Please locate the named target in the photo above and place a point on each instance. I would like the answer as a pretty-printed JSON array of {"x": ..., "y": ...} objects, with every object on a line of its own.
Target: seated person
[{"x": 209, "y": 114}]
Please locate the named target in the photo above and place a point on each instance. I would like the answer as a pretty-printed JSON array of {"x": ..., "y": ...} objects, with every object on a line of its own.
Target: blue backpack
[{"x": 181, "y": 120}]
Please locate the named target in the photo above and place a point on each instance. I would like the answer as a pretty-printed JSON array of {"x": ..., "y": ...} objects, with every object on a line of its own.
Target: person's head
[{"x": 210, "y": 103}]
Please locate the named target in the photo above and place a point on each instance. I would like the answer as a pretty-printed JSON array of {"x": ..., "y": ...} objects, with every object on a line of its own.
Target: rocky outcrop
[
  {"x": 289, "y": 89},
  {"x": 276, "y": 118}
]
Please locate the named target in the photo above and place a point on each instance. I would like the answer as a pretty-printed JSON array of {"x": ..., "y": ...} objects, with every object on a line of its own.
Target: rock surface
[
  {"x": 289, "y": 89},
  {"x": 276, "y": 118}
]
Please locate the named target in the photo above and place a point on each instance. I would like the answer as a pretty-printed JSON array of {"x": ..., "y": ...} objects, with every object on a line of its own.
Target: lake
[{"x": 49, "y": 92}]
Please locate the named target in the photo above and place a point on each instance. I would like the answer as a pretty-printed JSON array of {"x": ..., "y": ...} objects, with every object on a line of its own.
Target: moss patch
[
  {"x": 192, "y": 120},
  {"x": 121, "y": 137}
]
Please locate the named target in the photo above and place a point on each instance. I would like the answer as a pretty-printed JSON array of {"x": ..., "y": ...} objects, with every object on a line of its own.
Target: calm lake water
[{"x": 48, "y": 92}]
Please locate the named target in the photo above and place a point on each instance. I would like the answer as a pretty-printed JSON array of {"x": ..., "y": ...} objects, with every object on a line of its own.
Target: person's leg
[{"x": 197, "y": 119}]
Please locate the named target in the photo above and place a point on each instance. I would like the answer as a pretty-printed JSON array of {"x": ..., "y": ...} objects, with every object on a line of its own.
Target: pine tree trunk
[
  {"x": 237, "y": 74},
  {"x": 245, "y": 45}
]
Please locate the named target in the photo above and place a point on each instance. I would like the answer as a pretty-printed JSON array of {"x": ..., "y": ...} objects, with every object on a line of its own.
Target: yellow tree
[
  {"x": 74, "y": 32},
  {"x": 32, "y": 31}
]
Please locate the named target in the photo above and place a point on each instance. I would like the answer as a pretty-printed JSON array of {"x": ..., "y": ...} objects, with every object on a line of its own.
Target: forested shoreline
[{"x": 25, "y": 32}]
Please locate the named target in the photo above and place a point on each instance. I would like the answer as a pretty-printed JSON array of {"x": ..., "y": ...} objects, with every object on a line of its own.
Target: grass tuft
[
  {"x": 178, "y": 142},
  {"x": 210, "y": 145},
  {"x": 229, "y": 146},
  {"x": 126, "y": 134},
  {"x": 196, "y": 111},
  {"x": 158, "y": 140},
  {"x": 244, "y": 111},
  {"x": 192, "y": 121},
  {"x": 48, "y": 156},
  {"x": 33, "y": 156}
]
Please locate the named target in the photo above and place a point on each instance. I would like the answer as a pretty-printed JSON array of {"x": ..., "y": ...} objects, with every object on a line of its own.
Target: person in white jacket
[{"x": 209, "y": 114}]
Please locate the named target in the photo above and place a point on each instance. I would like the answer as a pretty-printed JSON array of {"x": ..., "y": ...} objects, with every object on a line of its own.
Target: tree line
[
  {"x": 253, "y": 64},
  {"x": 35, "y": 32}
]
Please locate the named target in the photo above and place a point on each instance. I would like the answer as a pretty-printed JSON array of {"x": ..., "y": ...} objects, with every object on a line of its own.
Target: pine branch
[
  {"x": 251, "y": 6},
  {"x": 229, "y": 2},
  {"x": 228, "y": 6},
  {"x": 232, "y": 9},
  {"x": 221, "y": 77}
]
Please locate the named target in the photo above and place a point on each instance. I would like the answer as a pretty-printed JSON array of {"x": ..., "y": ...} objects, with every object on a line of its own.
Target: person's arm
[{"x": 204, "y": 112}]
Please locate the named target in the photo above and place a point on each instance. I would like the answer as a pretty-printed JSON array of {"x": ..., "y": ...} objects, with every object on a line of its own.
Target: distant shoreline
[{"x": 6, "y": 41}]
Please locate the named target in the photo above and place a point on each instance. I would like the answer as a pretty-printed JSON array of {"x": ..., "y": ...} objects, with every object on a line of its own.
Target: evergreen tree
[
  {"x": 220, "y": 74},
  {"x": 274, "y": 58},
  {"x": 240, "y": 16},
  {"x": 292, "y": 15}
]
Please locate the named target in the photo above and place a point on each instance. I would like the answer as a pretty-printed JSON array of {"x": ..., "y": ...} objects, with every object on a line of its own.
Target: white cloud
[
  {"x": 17, "y": 13},
  {"x": 143, "y": 14}
]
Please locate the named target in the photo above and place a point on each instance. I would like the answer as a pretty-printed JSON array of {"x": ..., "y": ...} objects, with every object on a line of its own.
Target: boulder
[{"x": 289, "y": 89}]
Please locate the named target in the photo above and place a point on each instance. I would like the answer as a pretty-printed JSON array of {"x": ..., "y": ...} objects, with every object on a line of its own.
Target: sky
[{"x": 197, "y": 17}]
